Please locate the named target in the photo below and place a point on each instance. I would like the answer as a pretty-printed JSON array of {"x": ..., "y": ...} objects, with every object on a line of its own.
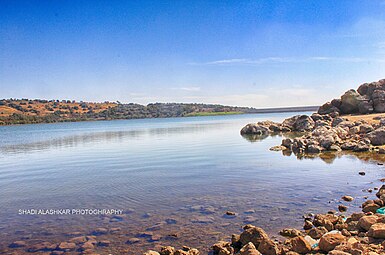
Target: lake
[{"x": 173, "y": 178}]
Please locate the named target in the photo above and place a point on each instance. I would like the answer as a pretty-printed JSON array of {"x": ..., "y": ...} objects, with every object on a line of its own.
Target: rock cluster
[
  {"x": 318, "y": 133},
  {"x": 358, "y": 234},
  {"x": 369, "y": 98}
]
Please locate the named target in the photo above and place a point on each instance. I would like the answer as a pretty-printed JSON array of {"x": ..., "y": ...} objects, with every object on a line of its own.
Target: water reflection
[{"x": 106, "y": 137}]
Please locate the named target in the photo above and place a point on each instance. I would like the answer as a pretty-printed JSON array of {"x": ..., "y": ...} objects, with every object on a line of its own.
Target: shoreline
[{"x": 333, "y": 232}]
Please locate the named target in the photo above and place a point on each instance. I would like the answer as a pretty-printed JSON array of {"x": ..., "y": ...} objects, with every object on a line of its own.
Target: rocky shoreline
[
  {"x": 331, "y": 233},
  {"x": 326, "y": 131}
]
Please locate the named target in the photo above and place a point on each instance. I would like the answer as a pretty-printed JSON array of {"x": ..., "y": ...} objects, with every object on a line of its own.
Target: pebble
[
  {"x": 342, "y": 208},
  {"x": 347, "y": 198}
]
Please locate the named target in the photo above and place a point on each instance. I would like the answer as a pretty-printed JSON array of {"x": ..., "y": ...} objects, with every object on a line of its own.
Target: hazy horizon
[{"x": 260, "y": 54}]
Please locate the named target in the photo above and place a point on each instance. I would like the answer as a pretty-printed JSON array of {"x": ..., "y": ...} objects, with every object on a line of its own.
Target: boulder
[
  {"x": 223, "y": 248},
  {"x": 287, "y": 142},
  {"x": 361, "y": 147},
  {"x": 254, "y": 129},
  {"x": 365, "y": 107},
  {"x": 249, "y": 249},
  {"x": 350, "y": 101},
  {"x": 313, "y": 149},
  {"x": 317, "y": 233},
  {"x": 268, "y": 247},
  {"x": 377, "y": 230},
  {"x": 150, "y": 252},
  {"x": 327, "y": 108},
  {"x": 366, "y": 222},
  {"x": 304, "y": 123},
  {"x": 336, "y": 102},
  {"x": 252, "y": 234},
  {"x": 377, "y": 137},
  {"x": 300, "y": 245},
  {"x": 290, "y": 232},
  {"x": 381, "y": 191},
  {"x": 378, "y": 97},
  {"x": 299, "y": 123},
  {"x": 329, "y": 241},
  {"x": 167, "y": 250}
]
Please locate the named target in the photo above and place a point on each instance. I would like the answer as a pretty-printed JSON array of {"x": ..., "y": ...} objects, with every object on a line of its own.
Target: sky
[{"x": 260, "y": 53}]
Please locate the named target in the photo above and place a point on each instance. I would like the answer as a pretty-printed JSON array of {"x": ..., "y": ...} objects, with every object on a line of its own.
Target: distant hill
[{"x": 25, "y": 111}]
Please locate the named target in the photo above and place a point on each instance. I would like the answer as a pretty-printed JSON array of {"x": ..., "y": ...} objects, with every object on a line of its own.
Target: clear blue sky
[{"x": 251, "y": 53}]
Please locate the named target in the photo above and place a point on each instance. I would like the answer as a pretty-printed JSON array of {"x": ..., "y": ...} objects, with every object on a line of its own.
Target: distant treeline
[{"x": 24, "y": 111}]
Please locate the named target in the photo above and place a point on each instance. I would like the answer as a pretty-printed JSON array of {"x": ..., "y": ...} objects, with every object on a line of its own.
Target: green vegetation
[
  {"x": 211, "y": 114},
  {"x": 25, "y": 111}
]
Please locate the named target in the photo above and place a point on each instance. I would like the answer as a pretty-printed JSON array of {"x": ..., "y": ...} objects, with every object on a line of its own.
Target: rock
[
  {"x": 167, "y": 250},
  {"x": 252, "y": 234},
  {"x": 268, "y": 247},
  {"x": 249, "y": 249},
  {"x": 336, "y": 252},
  {"x": 278, "y": 148},
  {"x": 361, "y": 147},
  {"x": 303, "y": 123},
  {"x": 372, "y": 207},
  {"x": 329, "y": 241},
  {"x": 365, "y": 128},
  {"x": 378, "y": 98},
  {"x": 317, "y": 233},
  {"x": 287, "y": 143},
  {"x": 327, "y": 141},
  {"x": 150, "y": 252},
  {"x": 133, "y": 240},
  {"x": 17, "y": 244},
  {"x": 100, "y": 231},
  {"x": 65, "y": 246},
  {"x": 381, "y": 191},
  {"x": 346, "y": 146},
  {"x": 347, "y": 198},
  {"x": 313, "y": 149},
  {"x": 365, "y": 107},
  {"x": 222, "y": 248},
  {"x": 350, "y": 101},
  {"x": 342, "y": 208},
  {"x": 366, "y": 222},
  {"x": 335, "y": 147},
  {"x": 307, "y": 225},
  {"x": 316, "y": 116},
  {"x": 78, "y": 240},
  {"x": 377, "y": 230},
  {"x": 328, "y": 108},
  {"x": 290, "y": 232},
  {"x": 43, "y": 246},
  {"x": 104, "y": 243},
  {"x": 377, "y": 137},
  {"x": 300, "y": 245},
  {"x": 255, "y": 129},
  {"x": 89, "y": 245}
]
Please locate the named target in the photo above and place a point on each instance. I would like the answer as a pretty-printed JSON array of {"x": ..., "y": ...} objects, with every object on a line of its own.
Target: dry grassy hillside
[{"x": 44, "y": 107}]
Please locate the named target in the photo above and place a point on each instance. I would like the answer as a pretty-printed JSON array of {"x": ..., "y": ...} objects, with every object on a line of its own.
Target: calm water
[{"x": 179, "y": 174}]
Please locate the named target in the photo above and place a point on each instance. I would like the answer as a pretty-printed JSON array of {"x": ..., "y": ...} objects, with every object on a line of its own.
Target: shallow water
[{"x": 179, "y": 174}]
